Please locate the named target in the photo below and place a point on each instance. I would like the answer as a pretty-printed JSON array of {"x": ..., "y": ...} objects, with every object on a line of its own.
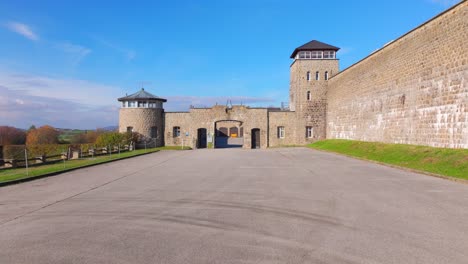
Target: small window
[
  {"x": 329, "y": 54},
  {"x": 317, "y": 75},
  {"x": 317, "y": 54},
  {"x": 326, "y": 75},
  {"x": 123, "y": 104},
  {"x": 309, "y": 96},
  {"x": 131, "y": 104},
  {"x": 129, "y": 129},
  {"x": 309, "y": 132},
  {"x": 308, "y": 75},
  {"x": 281, "y": 132},
  {"x": 154, "y": 132},
  {"x": 176, "y": 131}
]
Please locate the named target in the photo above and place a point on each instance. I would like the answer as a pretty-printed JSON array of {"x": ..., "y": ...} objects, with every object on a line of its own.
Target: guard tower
[
  {"x": 143, "y": 112},
  {"x": 314, "y": 64}
]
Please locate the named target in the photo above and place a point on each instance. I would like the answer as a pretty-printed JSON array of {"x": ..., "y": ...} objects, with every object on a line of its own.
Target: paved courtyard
[{"x": 291, "y": 205}]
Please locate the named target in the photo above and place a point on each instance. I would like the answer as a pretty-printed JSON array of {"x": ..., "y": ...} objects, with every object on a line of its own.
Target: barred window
[
  {"x": 281, "y": 132},
  {"x": 309, "y": 132},
  {"x": 176, "y": 131}
]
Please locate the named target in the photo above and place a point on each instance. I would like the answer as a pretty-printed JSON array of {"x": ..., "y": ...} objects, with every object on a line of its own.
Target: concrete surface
[{"x": 289, "y": 205}]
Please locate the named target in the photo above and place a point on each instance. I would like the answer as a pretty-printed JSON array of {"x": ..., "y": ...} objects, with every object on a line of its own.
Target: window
[
  {"x": 329, "y": 54},
  {"x": 309, "y": 132},
  {"x": 154, "y": 132},
  {"x": 142, "y": 104},
  {"x": 123, "y": 104},
  {"x": 281, "y": 132},
  {"x": 129, "y": 129},
  {"x": 176, "y": 131},
  {"x": 308, "y": 75},
  {"x": 131, "y": 104},
  {"x": 326, "y": 75},
  {"x": 317, "y": 54},
  {"x": 317, "y": 75},
  {"x": 309, "y": 96}
]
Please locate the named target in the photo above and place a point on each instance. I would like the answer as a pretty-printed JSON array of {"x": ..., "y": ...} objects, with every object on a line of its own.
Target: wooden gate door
[{"x": 201, "y": 138}]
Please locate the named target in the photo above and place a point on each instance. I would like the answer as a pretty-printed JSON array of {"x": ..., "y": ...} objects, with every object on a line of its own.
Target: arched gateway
[{"x": 227, "y": 134}]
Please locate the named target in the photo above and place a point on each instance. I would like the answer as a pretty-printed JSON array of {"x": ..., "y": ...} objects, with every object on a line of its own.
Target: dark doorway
[
  {"x": 255, "y": 138},
  {"x": 233, "y": 132},
  {"x": 201, "y": 138}
]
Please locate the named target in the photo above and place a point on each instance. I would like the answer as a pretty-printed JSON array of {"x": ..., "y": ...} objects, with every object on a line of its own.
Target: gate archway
[{"x": 227, "y": 134}]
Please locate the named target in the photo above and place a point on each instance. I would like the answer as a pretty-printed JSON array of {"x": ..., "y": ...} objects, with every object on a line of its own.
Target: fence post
[{"x": 26, "y": 159}]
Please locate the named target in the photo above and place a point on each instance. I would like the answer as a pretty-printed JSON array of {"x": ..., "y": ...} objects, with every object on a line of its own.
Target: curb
[
  {"x": 32, "y": 178},
  {"x": 397, "y": 167}
]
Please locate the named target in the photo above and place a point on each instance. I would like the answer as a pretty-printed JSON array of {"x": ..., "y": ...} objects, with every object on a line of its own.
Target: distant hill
[{"x": 110, "y": 128}]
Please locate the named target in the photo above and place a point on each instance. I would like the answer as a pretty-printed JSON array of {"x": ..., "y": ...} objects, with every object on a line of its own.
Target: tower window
[
  {"x": 129, "y": 129},
  {"x": 309, "y": 96},
  {"x": 176, "y": 131},
  {"x": 309, "y": 132},
  {"x": 326, "y": 75},
  {"x": 317, "y": 75},
  {"x": 317, "y": 54},
  {"x": 308, "y": 75},
  {"x": 281, "y": 132},
  {"x": 154, "y": 132},
  {"x": 330, "y": 54}
]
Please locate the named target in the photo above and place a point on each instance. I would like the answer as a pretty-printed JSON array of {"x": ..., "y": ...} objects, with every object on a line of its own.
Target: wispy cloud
[
  {"x": 22, "y": 29},
  {"x": 39, "y": 100},
  {"x": 446, "y": 2},
  {"x": 129, "y": 54},
  {"x": 77, "y": 52}
]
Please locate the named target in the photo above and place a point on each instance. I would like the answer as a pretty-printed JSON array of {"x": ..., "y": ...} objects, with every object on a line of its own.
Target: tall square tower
[{"x": 314, "y": 64}]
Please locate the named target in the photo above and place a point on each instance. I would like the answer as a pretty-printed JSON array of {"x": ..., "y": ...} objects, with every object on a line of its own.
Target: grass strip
[
  {"x": 442, "y": 161},
  {"x": 8, "y": 175}
]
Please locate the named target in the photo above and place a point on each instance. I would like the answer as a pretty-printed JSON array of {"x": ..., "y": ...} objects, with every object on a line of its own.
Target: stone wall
[
  {"x": 287, "y": 120},
  {"x": 190, "y": 122},
  {"x": 412, "y": 91},
  {"x": 142, "y": 120}
]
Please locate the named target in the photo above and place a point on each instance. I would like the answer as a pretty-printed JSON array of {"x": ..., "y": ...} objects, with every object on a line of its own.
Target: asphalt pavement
[{"x": 291, "y": 205}]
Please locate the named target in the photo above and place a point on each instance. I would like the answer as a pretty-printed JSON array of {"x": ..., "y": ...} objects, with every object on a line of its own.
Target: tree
[
  {"x": 12, "y": 136},
  {"x": 87, "y": 137},
  {"x": 43, "y": 135},
  {"x": 111, "y": 139}
]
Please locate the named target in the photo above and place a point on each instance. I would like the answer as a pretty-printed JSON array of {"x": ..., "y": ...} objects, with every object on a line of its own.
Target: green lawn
[
  {"x": 20, "y": 173},
  {"x": 443, "y": 161}
]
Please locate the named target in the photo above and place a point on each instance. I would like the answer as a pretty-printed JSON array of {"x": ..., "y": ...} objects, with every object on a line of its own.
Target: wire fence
[{"x": 18, "y": 156}]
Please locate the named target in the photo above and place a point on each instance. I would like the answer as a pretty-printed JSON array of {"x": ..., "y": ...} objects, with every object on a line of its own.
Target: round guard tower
[{"x": 143, "y": 113}]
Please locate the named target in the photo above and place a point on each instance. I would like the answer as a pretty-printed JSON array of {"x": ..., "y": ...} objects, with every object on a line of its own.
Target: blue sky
[{"x": 64, "y": 63}]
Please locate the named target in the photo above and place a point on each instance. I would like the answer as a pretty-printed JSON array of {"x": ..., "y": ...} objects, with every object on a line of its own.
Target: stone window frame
[
  {"x": 308, "y": 76},
  {"x": 309, "y": 132},
  {"x": 326, "y": 76},
  {"x": 309, "y": 96},
  {"x": 317, "y": 76},
  {"x": 281, "y": 132},
  {"x": 176, "y": 131}
]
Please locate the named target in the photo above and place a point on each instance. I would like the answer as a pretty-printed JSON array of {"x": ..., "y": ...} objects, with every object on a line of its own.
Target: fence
[{"x": 15, "y": 156}]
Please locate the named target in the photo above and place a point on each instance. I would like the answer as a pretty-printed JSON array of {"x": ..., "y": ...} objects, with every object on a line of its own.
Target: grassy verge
[
  {"x": 447, "y": 162},
  {"x": 7, "y": 175}
]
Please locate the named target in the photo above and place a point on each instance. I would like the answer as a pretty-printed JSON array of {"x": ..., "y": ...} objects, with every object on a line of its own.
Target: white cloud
[
  {"x": 129, "y": 54},
  {"x": 77, "y": 52},
  {"x": 67, "y": 103},
  {"x": 22, "y": 29}
]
